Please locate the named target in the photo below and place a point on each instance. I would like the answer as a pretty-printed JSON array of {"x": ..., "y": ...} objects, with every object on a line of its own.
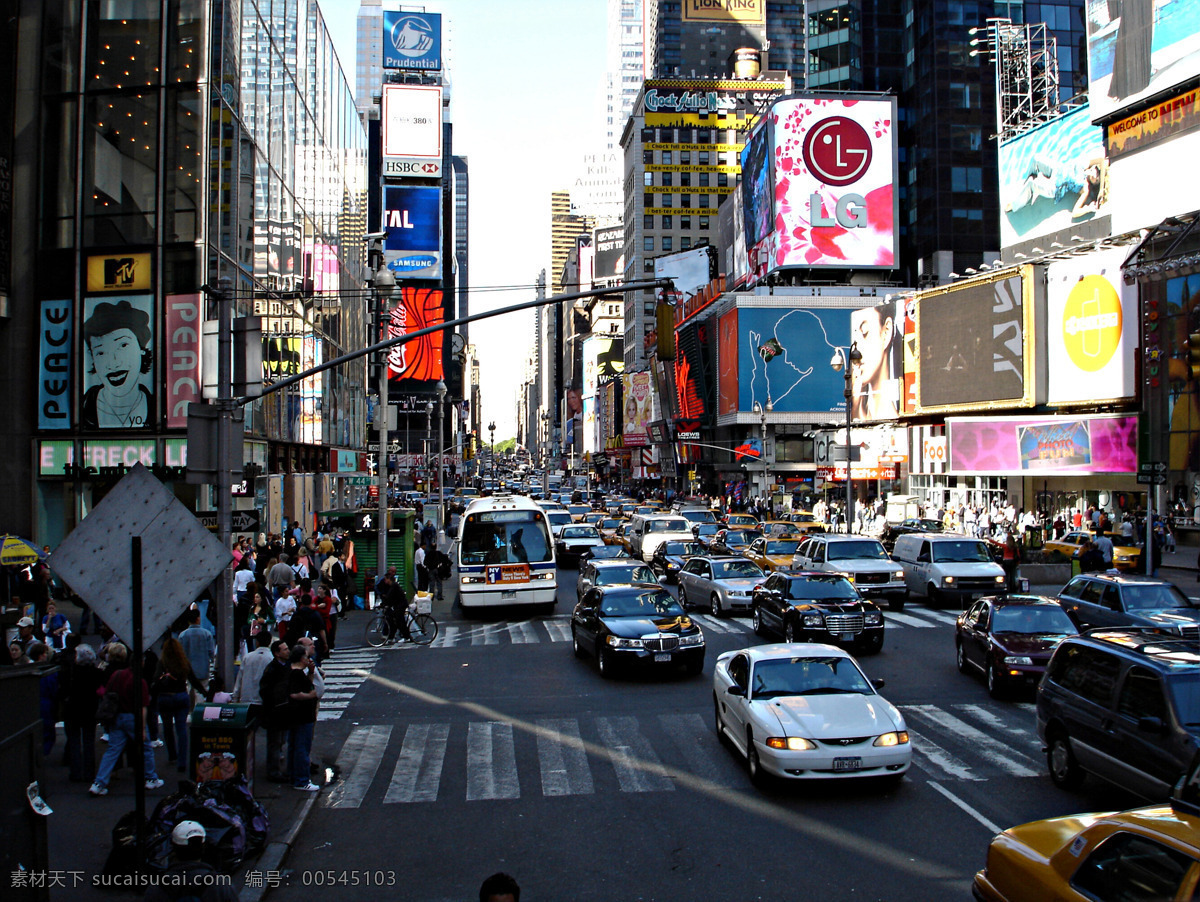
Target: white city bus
[{"x": 505, "y": 554}]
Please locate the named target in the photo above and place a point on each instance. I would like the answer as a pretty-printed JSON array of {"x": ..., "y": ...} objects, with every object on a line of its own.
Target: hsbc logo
[{"x": 421, "y": 169}]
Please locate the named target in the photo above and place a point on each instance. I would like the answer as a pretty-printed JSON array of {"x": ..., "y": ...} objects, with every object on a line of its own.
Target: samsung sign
[
  {"x": 412, "y": 40},
  {"x": 413, "y": 222}
]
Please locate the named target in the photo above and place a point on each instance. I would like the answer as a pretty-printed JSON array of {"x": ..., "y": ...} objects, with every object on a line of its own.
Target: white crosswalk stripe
[
  {"x": 579, "y": 757},
  {"x": 522, "y": 633},
  {"x": 486, "y": 635},
  {"x": 446, "y": 637},
  {"x": 891, "y": 618},
  {"x": 719, "y": 625},
  {"x": 345, "y": 671},
  {"x": 558, "y": 630}
]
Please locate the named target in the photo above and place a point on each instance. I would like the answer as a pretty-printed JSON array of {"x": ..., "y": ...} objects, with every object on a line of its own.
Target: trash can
[{"x": 222, "y": 742}]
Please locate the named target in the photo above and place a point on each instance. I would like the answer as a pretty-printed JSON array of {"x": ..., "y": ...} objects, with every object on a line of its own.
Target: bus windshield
[{"x": 506, "y": 537}]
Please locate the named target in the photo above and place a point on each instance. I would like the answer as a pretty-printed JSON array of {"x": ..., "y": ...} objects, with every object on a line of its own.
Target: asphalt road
[{"x": 496, "y": 749}]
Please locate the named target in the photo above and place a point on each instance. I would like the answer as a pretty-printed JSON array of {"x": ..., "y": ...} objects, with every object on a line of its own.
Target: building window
[
  {"x": 647, "y": 136},
  {"x": 648, "y": 244},
  {"x": 647, "y": 179},
  {"x": 722, "y": 180},
  {"x": 647, "y": 200},
  {"x": 647, "y": 222},
  {"x": 667, "y": 157},
  {"x": 647, "y": 157},
  {"x": 704, "y": 223},
  {"x": 666, "y": 200},
  {"x": 685, "y": 242},
  {"x": 703, "y": 155},
  {"x": 685, "y": 222},
  {"x": 704, "y": 201},
  {"x": 685, "y": 178},
  {"x": 666, "y": 222},
  {"x": 667, "y": 178},
  {"x": 704, "y": 177},
  {"x": 667, "y": 243},
  {"x": 685, "y": 157},
  {"x": 648, "y": 308},
  {"x": 685, "y": 201},
  {"x": 648, "y": 266}
]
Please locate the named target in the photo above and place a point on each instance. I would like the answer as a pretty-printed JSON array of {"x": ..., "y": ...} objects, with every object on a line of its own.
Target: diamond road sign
[{"x": 179, "y": 557}]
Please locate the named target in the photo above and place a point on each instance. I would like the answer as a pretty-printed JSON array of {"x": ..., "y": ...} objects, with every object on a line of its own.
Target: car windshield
[
  {"x": 698, "y": 516},
  {"x": 783, "y": 546},
  {"x": 1154, "y": 598},
  {"x": 808, "y": 676},
  {"x": 641, "y": 604},
  {"x": 821, "y": 588},
  {"x": 736, "y": 570},
  {"x": 672, "y": 525},
  {"x": 964, "y": 552},
  {"x": 579, "y": 509},
  {"x": 580, "y": 532},
  {"x": 864, "y": 550},
  {"x": 606, "y": 551},
  {"x": 740, "y": 537},
  {"x": 634, "y": 573},
  {"x": 682, "y": 548},
  {"x": 1032, "y": 619},
  {"x": 707, "y": 529},
  {"x": 557, "y": 517},
  {"x": 609, "y": 524}
]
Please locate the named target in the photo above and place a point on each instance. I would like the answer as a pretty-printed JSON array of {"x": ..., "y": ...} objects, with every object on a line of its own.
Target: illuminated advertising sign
[
  {"x": 412, "y": 218},
  {"x": 1091, "y": 330},
  {"x": 421, "y": 358},
  {"x": 695, "y": 376},
  {"x": 54, "y": 365},
  {"x": 125, "y": 272},
  {"x": 609, "y": 245},
  {"x": 1139, "y": 48},
  {"x": 783, "y": 355},
  {"x": 412, "y": 131},
  {"x": 727, "y": 363},
  {"x": 54, "y": 456},
  {"x": 877, "y": 377},
  {"x": 744, "y": 12},
  {"x": 1042, "y": 446},
  {"x": 972, "y": 342},
  {"x": 308, "y": 429},
  {"x": 1153, "y": 125},
  {"x": 1179, "y": 329},
  {"x": 1052, "y": 177},
  {"x": 705, "y": 103},
  {"x": 758, "y": 187},
  {"x": 1147, "y": 186},
  {"x": 118, "y": 381},
  {"x": 412, "y": 40},
  {"x": 832, "y": 203},
  {"x": 639, "y": 400},
  {"x": 603, "y": 358},
  {"x": 183, "y": 356}
]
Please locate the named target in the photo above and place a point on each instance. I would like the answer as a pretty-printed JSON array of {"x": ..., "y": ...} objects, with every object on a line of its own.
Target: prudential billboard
[
  {"x": 412, "y": 218},
  {"x": 412, "y": 40}
]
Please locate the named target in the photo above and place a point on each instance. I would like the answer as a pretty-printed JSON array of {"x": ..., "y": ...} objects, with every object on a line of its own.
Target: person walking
[
  {"x": 199, "y": 646},
  {"x": 280, "y": 577},
  {"x": 272, "y": 691},
  {"x": 307, "y": 621},
  {"x": 174, "y": 679},
  {"x": 82, "y": 681},
  {"x": 301, "y": 716},
  {"x": 1012, "y": 560},
  {"x": 121, "y": 733},
  {"x": 1105, "y": 546},
  {"x": 421, "y": 569}
]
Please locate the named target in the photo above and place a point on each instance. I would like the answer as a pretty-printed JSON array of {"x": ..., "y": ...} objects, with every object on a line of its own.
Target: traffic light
[{"x": 1193, "y": 344}]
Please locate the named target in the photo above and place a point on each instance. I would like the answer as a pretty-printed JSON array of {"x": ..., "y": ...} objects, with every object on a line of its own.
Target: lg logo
[{"x": 838, "y": 151}]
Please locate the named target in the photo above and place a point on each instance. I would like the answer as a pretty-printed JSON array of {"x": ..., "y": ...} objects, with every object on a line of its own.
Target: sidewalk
[{"x": 80, "y": 829}]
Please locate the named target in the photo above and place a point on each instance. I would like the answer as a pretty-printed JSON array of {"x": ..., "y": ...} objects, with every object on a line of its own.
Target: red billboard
[{"x": 421, "y": 358}]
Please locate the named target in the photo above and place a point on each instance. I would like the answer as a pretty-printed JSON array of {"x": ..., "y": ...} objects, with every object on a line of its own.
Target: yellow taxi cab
[
  {"x": 780, "y": 529},
  {"x": 619, "y": 536},
  {"x": 1125, "y": 557},
  {"x": 773, "y": 553},
  {"x": 806, "y": 521},
  {"x": 1143, "y": 853},
  {"x": 741, "y": 521}
]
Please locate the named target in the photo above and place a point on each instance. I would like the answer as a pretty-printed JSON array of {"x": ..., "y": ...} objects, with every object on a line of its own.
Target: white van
[
  {"x": 862, "y": 558},
  {"x": 947, "y": 567},
  {"x": 648, "y": 531}
]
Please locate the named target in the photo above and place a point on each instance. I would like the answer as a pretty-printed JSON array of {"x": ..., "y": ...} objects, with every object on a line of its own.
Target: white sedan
[{"x": 804, "y": 711}]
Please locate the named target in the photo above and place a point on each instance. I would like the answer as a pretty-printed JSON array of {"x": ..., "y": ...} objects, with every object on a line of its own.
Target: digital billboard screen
[
  {"x": 877, "y": 377},
  {"x": 973, "y": 345},
  {"x": 412, "y": 219},
  {"x": 412, "y": 131},
  {"x": 1053, "y": 177},
  {"x": 783, "y": 355},
  {"x": 1139, "y": 48},
  {"x": 691, "y": 270},
  {"x": 609, "y": 245},
  {"x": 833, "y": 198},
  {"x": 1059, "y": 445},
  {"x": 421, "y": 358}
]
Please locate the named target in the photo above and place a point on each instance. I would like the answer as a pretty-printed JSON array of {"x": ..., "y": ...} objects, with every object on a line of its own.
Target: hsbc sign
[{"x": 417, "y": 169}]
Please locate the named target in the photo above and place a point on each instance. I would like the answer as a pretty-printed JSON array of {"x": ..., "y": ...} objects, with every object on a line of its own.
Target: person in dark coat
[
  {"x": 82, "y": 680},
  {"x": 272, "y": 689}
]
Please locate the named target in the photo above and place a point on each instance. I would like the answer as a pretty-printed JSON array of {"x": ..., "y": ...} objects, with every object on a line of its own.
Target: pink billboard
[{"x": 1043, "y": 445}]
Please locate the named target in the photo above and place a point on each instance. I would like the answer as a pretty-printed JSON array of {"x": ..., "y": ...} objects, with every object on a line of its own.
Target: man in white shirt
[
  {"x": 1105, "y": 546},
  {"x": 250, "y": 673}
]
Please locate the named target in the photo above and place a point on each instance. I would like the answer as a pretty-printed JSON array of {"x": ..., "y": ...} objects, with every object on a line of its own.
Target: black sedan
[
  {"x": 732, "y": 541},
  {"x": 705, "y": 532},
  {"x": 635, "y": 626},
  {"x": 1009, "y": 639},
  {"x": 914, "y": 524},
  {"x": 810, "y": 606},
  {"x": 670, "y": 557}
]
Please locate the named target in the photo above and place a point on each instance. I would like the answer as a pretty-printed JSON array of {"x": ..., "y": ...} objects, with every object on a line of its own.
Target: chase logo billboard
[
  {"x": 412, "y": 220},
  {"x": 412, "y": 40}
]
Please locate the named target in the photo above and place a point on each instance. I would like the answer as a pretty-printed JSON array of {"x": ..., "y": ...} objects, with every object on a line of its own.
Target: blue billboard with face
[
  {"x": 412, "y": 218},
  {"x": 412, "y": 40},
  {"x": 784, "y": 355}
]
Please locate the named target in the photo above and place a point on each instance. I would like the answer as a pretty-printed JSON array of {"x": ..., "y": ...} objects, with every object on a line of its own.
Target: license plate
[
  {"x": 509, "y": 593},
  {"x": 847, "y": 763},
  {"x": 663, "y": 657},
  {"x": 847, "y": 637}
]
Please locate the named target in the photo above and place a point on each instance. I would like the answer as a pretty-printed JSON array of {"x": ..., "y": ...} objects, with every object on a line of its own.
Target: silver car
[
  {"x": 621, "y": 571},
  {"x": 720, "y": 583}
]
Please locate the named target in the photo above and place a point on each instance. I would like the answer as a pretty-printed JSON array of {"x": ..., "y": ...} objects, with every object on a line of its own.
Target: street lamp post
[
  {"x": 492, "y": 430},
  {"x": 839, "y": 364},
  {"x": 428, "y": 442},
  {"x": 383, "y": 280},
  {"x": 762, "y": 423},
  {"x": 441, "y": 396}
]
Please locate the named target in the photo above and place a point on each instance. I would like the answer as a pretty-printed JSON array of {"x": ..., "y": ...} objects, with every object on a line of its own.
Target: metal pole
[
  {"x": 381, "y": 471},
  {"x": 137, "y": 749},
  {"x": 849, "y": 481},
  {"x": 428, "y": 445},
  {"x": 441, "y": 392},
  {"x": 226, "y": 650}
]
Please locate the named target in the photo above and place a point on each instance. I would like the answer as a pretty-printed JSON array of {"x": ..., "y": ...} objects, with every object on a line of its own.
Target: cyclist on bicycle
[{"x": 395, "y": 605}]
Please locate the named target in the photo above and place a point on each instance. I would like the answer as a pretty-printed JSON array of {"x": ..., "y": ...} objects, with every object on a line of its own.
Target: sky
[{"x": 527, "y": 79}]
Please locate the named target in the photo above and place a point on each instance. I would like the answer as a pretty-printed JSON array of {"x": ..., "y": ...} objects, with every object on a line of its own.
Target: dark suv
[
  {"x": 1124, "y": 705},
  {"x": 1098, "y": 600}
]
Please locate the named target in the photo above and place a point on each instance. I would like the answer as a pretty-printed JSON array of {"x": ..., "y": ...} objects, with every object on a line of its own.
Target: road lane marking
[
  {"x": 558, "y": 630},
  {"x": 491, "y": 762},
  {"x": 562, "y": 759},
  {"x": 358, "y": 763},
  {"x": 982, "y": 714},
  {"x": 418, "y": 771},
  {"x": 446, "y": 637},
  {"x": 693, "y": 740},
  {"x": 943, "y": 616},
  {"x": 937, "y": 756},
  {"x": 895, "y": 617},
  {"x": 989, "y": 748},
  {"x": 522, "y": 633},
  {"x": 487, "y": 635},
  {"x": 965, "y": 807},
  {"x": 638, "y": 768}
]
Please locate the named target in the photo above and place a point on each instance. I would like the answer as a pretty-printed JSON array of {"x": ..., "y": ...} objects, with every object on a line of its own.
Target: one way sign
[{"x": 243, "y": 521}]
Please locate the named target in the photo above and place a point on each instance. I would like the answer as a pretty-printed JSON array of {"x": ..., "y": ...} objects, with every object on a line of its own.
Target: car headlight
[
  {"x": 671, "y": 566},
  {"x": 1018, "y": 659},
  {"x": 899, "y": 737},
  {"x": 947, "y": 580},
  {"x": 899, "y": 574},
  {"x": 688, "y": 641},
  {"x": 618, "y": 642},
  {"x": 813, "y": 619},
  {"x": 789, "y": 743},
  {"x": 873, "y": 619},
  {"x": 1000, "y": 580}
]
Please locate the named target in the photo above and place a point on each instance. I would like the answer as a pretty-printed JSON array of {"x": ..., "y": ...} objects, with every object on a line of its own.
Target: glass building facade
[{"x": 185, "y": 148}]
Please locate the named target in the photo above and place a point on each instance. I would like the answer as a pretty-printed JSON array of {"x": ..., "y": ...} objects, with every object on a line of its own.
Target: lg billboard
[{"x": 817, "y": 185}]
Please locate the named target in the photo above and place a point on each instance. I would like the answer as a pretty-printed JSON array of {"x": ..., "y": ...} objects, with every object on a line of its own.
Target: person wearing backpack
[{"x": 188, "y": 878}]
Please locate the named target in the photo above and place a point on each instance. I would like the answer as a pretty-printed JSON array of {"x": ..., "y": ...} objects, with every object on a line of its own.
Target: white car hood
[
  {"x": 833, "y": 716},
  {"x": 741, "y": 585}
]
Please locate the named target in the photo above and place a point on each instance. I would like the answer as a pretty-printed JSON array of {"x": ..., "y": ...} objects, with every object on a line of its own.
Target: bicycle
[{"x": 384, "y": 629}]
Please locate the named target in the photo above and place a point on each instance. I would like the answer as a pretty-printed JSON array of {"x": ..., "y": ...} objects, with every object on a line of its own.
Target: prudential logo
[{"x": 414, "y": 41}]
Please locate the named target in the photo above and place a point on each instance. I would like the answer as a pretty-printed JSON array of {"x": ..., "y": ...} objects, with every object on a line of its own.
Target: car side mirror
[
  {"x": 1151, "y": 725},
  {"x": 739, "y": 691},
  {"x": 878, "y": 683}
]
